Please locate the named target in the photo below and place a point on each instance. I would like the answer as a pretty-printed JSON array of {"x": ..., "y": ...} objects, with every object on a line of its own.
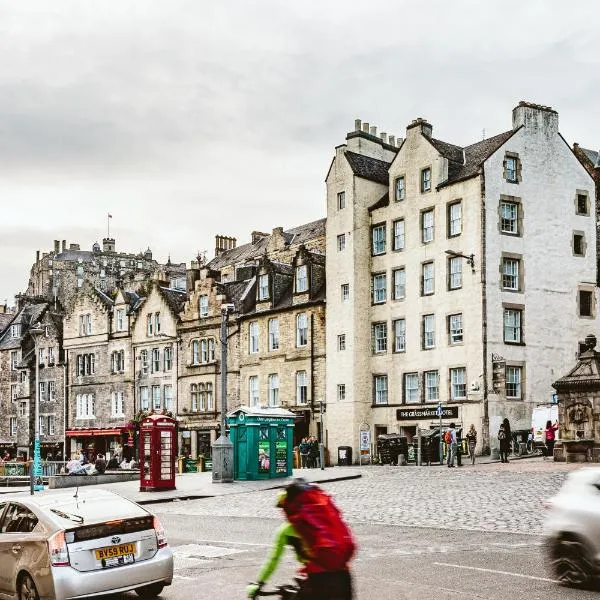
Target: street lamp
[
  {"x": 35, "y": 471},
  {"x": 470, "y": 258},
  {"x": 222, "y": 447}
]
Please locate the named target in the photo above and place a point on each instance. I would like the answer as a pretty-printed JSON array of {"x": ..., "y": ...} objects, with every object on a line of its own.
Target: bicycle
[{"x": 284, "y": 592}]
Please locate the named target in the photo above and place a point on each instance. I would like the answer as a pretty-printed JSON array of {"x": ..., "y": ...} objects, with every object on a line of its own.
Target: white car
[
  {"x": 67, "y": 545},
  {"x": 572, "y": 529}
]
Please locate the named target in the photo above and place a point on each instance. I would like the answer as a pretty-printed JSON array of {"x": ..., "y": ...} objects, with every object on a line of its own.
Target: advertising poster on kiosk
[
  {"x": 264, "y": 460},
  {"x": 281, "y": 456}
]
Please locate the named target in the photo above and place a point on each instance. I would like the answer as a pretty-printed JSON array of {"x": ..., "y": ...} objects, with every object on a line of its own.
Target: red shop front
[{"x": 107, "y": 441}]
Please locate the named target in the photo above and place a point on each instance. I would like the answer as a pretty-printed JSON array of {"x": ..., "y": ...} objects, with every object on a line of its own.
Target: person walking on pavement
[
  {"x": 304, "y": 448},
  {"x": 503, "y": 440},
  {"x": 472, "y": 442},
  {"x": 509, "y": 438},
  {"x": 450, "y": 439},
  {"x": 314, "y": 453},
  {"x": 550, "y": 438}
]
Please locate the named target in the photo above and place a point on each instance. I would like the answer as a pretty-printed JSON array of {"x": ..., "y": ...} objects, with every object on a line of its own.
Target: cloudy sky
[{"x": 186, "y": 119}]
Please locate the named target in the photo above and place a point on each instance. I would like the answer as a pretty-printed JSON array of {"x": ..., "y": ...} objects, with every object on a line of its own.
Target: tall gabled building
[{"x": 460, "y": 275}]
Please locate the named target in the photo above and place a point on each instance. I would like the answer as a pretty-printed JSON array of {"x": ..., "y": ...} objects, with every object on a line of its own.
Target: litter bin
[
  {"x": 189, "y": 465},
  {"x": 344, "y": 456}
]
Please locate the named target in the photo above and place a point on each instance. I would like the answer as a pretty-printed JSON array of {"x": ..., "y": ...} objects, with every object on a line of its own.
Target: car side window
[{"x": 18, "y": 519}]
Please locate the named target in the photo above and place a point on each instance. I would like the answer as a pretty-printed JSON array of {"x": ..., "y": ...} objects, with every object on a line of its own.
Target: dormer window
[
  {"x": 15, "y": 330},
  {"x": 302, "y": 278},
  {"x": 203, "y": 306},
  {"x": 121, "y": 319},
  {"x": 263, "y": 287}
]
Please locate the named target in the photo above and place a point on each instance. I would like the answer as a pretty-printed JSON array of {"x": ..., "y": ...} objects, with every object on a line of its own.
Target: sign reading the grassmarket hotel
[{"x": 426, "y": 412}]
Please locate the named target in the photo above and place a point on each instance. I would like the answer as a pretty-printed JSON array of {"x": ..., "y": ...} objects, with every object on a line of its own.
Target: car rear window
[{"x": 120, "y": 527}]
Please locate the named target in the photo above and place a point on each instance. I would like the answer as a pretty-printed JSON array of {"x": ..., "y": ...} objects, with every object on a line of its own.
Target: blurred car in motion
[
  {"x": 79, "y": 544},
  {"x": 572, "y": 529}
]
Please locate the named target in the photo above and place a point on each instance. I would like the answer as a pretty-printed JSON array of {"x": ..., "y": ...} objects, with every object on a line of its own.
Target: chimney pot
[
  {"x": 366, "y": 127},
  {"x": 392, "y": 140},
  {"x": 383, "y": 137},
  {"x": 357, "y": 124},
  {"x": 374, "y": 130}
]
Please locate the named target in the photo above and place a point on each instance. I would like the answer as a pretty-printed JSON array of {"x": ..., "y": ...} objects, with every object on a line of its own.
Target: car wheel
[
  {"x": 150, "y": 591},
  {"x": 27, "y": 589},
  {"x": 571, "y": 563}
]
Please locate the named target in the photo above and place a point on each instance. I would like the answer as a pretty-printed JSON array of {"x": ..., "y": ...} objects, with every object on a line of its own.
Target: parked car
[
  {"x": 572, "y": 529},
  {"x": 64, "y": 545}
]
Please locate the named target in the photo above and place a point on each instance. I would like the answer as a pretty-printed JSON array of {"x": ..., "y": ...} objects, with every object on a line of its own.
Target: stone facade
[{"x": 439, "y": 288}]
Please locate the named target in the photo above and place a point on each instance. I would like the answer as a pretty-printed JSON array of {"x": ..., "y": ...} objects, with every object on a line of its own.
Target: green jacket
[{"x": 286, "y": 535}]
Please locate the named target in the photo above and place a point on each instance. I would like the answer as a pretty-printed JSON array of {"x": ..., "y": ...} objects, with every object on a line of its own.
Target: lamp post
[
  {"x": 35, "y": 471},
  {"x": 222, "y": 447}
]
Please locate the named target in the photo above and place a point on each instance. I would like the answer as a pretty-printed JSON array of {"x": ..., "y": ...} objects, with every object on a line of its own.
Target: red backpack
[{"x": 319, "y": 523}]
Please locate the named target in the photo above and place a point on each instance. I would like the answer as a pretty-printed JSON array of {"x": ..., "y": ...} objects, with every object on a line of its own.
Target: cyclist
[{"x": 322, "y": 541}]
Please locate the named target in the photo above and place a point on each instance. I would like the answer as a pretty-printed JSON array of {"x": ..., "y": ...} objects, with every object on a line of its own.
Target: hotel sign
[{"x": 426, "y": 412}]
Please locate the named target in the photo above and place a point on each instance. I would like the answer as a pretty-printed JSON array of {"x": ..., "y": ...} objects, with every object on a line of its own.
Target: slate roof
[
  {"x": 383, "y": 201},
  {"x": 106, "y": 300},
  {"x": 28, "y": 315},
  {"x": 369, "y": 168},
  {"x": 74, "y": 255},
  {"x": 175, "y": 299},
  {"x": 5, "y": 319},
  {"x": 296, "y": 235},
  {"x": 593, "y": 156},
  {"x": 234, "y": 292}
]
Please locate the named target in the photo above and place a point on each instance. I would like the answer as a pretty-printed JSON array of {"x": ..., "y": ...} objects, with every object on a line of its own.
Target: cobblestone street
[{"x": 492, "y": 497}]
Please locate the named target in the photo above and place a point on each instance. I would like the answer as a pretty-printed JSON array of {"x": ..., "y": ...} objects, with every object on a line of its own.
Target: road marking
[
  {"x": 440, "y": 564},
  {"x": 202, "y": 551}
]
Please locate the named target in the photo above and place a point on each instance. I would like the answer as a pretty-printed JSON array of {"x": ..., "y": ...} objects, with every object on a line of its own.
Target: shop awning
[{"x": 93, "y": 432}]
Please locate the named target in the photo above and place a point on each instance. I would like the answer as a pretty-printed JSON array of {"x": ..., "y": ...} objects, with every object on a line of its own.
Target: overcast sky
[{"x": 186, "y": 119}]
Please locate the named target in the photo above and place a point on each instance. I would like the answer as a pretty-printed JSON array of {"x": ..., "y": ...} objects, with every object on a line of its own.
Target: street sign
[
  {"x": 365, "y": 440},
  {"x": 438, "y": 412}
]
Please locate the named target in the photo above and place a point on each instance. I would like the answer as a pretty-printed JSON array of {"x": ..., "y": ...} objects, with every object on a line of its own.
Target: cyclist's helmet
[{"x": 281, "y": 496}]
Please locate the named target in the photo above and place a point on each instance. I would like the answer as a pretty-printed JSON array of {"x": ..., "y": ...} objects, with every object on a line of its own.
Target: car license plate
[
  {"x": 117, "y": 561},
  {"x": 115, "y": 551}
]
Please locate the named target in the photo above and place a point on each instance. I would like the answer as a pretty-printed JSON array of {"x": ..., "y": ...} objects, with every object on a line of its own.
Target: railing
[{"x": 21, "y": 469}]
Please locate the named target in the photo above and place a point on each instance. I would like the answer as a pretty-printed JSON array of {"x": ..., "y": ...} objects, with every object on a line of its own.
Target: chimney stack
[
  {"x": 392, "y": 140},
  {"x": 56, "y": 247},
  {"x": 224, "y": 243},
  {"x": 257, "y": 236},
  {"x": 373, "y": 130},
  {"x": 64, "y": 245},
  {"x": 383, "y": 137},
  {"x": 357, "y": 124},
  {"x": 365, "y": 127}
]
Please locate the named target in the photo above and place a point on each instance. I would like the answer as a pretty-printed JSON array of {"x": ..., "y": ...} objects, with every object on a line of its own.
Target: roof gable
[{"x": 367, "y": 167}]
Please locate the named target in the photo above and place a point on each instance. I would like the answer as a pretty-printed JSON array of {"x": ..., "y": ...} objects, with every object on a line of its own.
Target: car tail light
[
  {"x": 161, "y": 538},
  {"x": 59, "y": 553}
]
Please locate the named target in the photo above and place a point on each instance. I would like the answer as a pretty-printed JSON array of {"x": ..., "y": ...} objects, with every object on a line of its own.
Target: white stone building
[{"x": 459, "y": 275}]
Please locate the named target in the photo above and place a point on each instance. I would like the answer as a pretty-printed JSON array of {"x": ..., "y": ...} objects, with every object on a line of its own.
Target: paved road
[{"x": 423, "y": 533}]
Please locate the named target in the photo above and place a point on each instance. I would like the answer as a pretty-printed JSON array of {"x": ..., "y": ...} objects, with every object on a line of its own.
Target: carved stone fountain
[{"x": 579, "y": 408}]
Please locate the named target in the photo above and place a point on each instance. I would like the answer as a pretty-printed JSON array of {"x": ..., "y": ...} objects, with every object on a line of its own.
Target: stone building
[
  {"x": 456, "y": 275},
  {"x": 58, "y": 274},
  {"x": 18, "y": 380},
  {"x": 259, "y": 374}
]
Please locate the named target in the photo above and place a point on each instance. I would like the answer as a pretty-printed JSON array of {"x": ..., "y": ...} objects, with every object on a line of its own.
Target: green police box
[{"x": 262, "y": 441}]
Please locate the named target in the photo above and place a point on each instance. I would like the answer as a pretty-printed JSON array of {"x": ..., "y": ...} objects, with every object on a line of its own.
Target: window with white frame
[
  {"x": 509, "y": 212},
  {"x": 195, "y": 352},
  {"x": 379, "y": 288},
  {"x": 253, "y": 337},
  {"x": 458, "y": 383},
  {"x": 14, "y": 360},
  {"x": 427, "y": 278},
  {"x": 157, "y": 323},
  {"x": 411, "y": 388},
  {"x": 512, "y": 325},
  {"x": 42, "y": 386},
  {"x": 345, "y": 291},
  {"x": 263, "y": 287},
  {"x": 380, "y": 384},
  {"x": 41, "y": 356},
  {"x": 301, "y": 387},
  {"x": 168, "y": 397},
  {"x": 168, "y": 358},
  {"x": 156, "y": 402},
  {"x": 454, "y": 219},
  {"x": 15, "y": 330},
  {"x": 194, "y": 397},
  {"x": 400, "y": 189},
  {"x": 85, "y": 406},
  {"x": 204, "y": 351},
  {"x": 341, "y": 341},
  {"x": 513, "y": 382},
  {"x": 341, "y": 391},
  {"x": 13, "y": 426},
  {"x": 379, "y": 337},
  {"x": 273, "y": 334},
  {"x": 203, "y": 306},
  {"x": 144, "y": 398},
  {"x": 144, "y": 363},
  {"x": 341, "y": 200},
  {"x": 51, "y": 356},
  {"x": 253, "y": 395},
  {"x": 202, "y": 397},
  {"x": 13, "y": 392},
  {"x": 23, "y": 409},
  {"x": 117, "y": 404},
  {"x": 42, "y": 425},
  {"x": 510, "y": 274},
  {"x": 301, "y": 330},
  {"x": 273, "y": 389},
  {"x": 211, "y": 350},
  {"x": 51, "y": 425},
  {"x": 427, "y": 226},
  {"x": 378, "y": 239},
  {"x": 400, "y": 335},
  {"x": 399, "y": 235},
  {"x": 117, "y": 360},
  {"x": 120, "y": 319},
  {"x": 432, "y": 386},
  {"x": 155, "y": 360},
  {"x": 454, "y": 272},
  {"x": 511, "y": 172},
  {"x": 88, "y": 324},
  {"x": 149, "y": 325},
  {"x": 426, "y": 180},
  {"x": 210, "y": 399},
  {"x": 302, "y": 278},
  {"x": 428, "y": 332},
  {"x": 399, "y": 277},
  {"x": 341, "y": 242},
  {"x": 455, "y": 328}
]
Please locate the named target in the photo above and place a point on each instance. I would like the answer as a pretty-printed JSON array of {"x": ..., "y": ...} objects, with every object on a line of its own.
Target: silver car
[{"x": 77, "y": 544}]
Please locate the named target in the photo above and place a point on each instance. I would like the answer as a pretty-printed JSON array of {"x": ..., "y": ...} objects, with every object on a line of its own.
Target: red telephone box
[{"x": 158, "y": 449}]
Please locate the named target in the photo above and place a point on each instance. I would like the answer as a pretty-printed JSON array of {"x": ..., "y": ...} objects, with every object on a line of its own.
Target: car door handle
[{"x": 16, "y": 548}]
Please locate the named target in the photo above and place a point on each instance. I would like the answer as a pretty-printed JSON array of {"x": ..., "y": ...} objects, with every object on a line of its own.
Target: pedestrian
[
  {"x": 459, "y": 447},
  {"x": 100, "y": 464},
  {"x": 509, "y": 436},
  {"x": 451, "y": 444},
  {"x": 314, "y": 453},
  {"x": 472, "y": 442},
  {"x": 503, "y": 441},
  {"x": 304, "y": 448},
  {"x": 550, "y": 438}
]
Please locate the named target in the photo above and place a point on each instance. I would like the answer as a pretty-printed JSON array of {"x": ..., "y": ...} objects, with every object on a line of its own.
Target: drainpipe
[
  {"x": 484, "y": 333},
  {"x": 65, "y": 406},
  {"x": 312, "y": 364}
]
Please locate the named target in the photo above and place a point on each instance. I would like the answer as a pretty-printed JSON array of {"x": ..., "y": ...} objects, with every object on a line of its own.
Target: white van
[{"x": 539, "y": 417}]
